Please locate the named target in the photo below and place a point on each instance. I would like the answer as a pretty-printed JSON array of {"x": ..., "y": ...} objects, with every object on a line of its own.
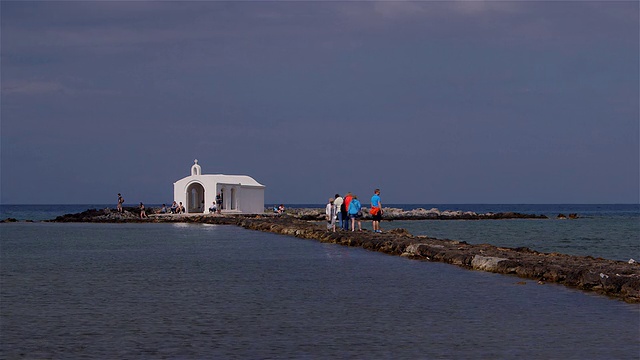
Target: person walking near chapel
[
  {"x": 219, "y": 202},
  {"x": 143, "y": 213},
  {"x": 376, "y": 211},
  {"x": 120, "y": 202}
]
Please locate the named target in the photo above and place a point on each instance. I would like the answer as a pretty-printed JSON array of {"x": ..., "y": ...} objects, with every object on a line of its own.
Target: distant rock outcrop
[{"x": 128, "y": 214}]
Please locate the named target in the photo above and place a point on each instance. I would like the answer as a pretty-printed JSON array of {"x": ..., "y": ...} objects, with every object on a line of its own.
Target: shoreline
[{"x": 615, "y": 279}]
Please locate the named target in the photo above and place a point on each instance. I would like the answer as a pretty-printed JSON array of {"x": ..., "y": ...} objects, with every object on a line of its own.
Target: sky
[{"x": 432, "y": 102}]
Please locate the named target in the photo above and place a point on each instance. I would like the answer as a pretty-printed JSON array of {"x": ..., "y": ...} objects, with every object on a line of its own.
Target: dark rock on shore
[
  {"x": 615, "y": 279},
  {"x": 105, "y": 215}
]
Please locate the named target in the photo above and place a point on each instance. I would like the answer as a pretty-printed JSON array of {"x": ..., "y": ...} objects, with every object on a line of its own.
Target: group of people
[
  {"x": 177, "y": 208},
  {"x": 347, "y": 212},
  {"x": 216, "y": 206},
  {"x": 278, "y": 209},
  {"x": 143, "y": 212}
]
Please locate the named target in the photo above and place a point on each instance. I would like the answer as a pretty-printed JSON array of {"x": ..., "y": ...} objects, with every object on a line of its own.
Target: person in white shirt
[
  {"x": 338, "y": 203},
  {"x": 331, "y": 216}
]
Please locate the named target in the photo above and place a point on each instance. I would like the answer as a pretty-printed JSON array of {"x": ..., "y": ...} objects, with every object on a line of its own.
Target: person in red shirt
[{"x": 344, "y": 208}]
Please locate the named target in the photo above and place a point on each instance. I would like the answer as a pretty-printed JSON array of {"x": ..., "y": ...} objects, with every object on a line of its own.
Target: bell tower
[{"x": 195, "y": 168}]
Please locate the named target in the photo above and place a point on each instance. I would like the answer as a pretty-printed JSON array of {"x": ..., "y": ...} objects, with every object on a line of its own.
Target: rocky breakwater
[
  {"x": 418, "y": 214},
  {"x": 128, "y": 214},
  {"x": 616, "y": 279}
]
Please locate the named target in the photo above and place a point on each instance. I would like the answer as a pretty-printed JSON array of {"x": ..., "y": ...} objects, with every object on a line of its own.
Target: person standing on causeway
[
  {"x": 338, "y": 205},
  {"x": 331, "y": 215},
  {"x": 345, "y": 210},
  {"x": 376, "y": 210},
  {"x": 354, "y": 210},
  {"x": 120, "y": 202}
]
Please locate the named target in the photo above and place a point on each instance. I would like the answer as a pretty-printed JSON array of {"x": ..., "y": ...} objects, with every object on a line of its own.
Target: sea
[{"x": 199, "y": 291}]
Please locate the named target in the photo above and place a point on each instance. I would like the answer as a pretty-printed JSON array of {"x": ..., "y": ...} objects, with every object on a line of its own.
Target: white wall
[{"x": 251, "y": 200}]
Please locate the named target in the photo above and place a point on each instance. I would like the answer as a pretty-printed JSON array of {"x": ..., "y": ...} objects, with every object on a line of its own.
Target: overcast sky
[{"x": 433, "y": 102}]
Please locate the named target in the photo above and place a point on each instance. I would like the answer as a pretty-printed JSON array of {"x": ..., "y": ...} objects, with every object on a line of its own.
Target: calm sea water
[
  {"x": 607, "y": 231},
  {"x": 201, "y": 291},
  {"x": 197, "y": 291}
]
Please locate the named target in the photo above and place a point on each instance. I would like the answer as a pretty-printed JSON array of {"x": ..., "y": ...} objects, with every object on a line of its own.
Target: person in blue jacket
[{"x": 355, "y": 213}]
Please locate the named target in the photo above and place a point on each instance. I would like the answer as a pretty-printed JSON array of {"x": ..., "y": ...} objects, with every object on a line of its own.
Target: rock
[
  {"x": 8, "y": 220},
  {"x": 449, "y": 213},
  {"x": 561, "y": 216},
  {"x": 104, "y": 215},
  {"x": 486, "y": 263},
  {"x": 399, "y": 231}
]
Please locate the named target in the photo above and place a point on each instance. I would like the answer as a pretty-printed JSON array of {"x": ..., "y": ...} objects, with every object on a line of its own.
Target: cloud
[
  {"x": 275, "y": 83},
  {"x": 484, "y": 7},
  {"x": 39, "y": 87},
  {"x": 401, "y": 9},
  {"x": 101, "y": 24},
  {"x": 33, "y": 87}
]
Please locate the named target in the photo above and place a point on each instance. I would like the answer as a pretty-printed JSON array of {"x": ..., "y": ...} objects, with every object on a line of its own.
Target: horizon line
[{"x": 322, "y": 203}]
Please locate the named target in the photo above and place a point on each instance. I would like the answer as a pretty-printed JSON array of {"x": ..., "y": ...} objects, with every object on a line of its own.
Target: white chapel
[{"x": 240, "y": 194}]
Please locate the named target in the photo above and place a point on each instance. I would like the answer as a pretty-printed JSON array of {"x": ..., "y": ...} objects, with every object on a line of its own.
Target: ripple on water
[{"x": 97, "y": 290}]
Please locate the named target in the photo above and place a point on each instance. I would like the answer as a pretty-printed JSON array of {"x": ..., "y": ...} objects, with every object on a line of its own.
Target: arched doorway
[
  {"x": 233, "y": 199},
  {"x": 195, "y": 198}
]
